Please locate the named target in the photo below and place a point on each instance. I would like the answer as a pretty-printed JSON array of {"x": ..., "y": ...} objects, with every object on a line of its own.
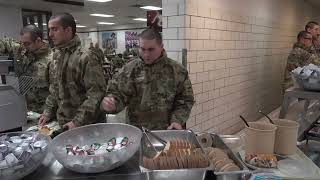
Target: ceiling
[{"x": 123, "y": 10}]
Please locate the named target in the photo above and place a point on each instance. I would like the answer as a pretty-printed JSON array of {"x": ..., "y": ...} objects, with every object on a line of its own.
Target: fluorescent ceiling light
[
  {"x": 151, "y": 8},
  {"x": 81, "y": 26},
  {"x": 140, "y": 19},
  {"x": 106, "y": 23},
  {"x": 100, "y": 0},
  {"x": 102, "y": 15},
  {"x": 44, "y": 24}
]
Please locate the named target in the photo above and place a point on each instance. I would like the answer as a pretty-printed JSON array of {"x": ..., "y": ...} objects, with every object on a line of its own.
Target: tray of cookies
[
  {"x": 182, "y": 152},
  {"x": 225, "y": 164}
]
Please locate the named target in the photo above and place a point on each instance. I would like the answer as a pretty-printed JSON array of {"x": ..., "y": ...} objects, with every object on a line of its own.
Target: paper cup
[
  {"x": 260, "y": 138},
  {"x": 286, "y": 136}
]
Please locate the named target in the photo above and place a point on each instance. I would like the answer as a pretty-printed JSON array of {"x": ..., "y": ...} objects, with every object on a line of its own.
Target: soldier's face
[
  {"x": 307, "y": 41},
  {"x": 28, "y": 43},
  {"x": 57, "y": 33},
  {"x": 314, "y": 31},
  {"x": 150, "y": 50}
]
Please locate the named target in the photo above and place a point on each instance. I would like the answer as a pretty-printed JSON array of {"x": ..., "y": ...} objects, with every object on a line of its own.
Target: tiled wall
[{"x": 235, "y": 58}]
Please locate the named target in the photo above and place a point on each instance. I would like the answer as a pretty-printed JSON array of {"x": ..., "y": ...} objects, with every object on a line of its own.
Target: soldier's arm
[
  {"x": 51, "y": 104},
  {"x": 120, "y": 87},
  {"x": 292, "y": 62},
  {"x": 314, "y": 60},
  {"x": 95, "y": 84},
  {"x": 184, "y": 101},
  {"x": 40, "y": 85},
  {"x": 298, "y": 57}
]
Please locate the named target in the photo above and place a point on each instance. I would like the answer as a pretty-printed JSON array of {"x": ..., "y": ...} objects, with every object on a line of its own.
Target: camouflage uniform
[
  {"x": 9, "y": 47},
  {"x": 299, "y": 56},
  {"x": 98, "y": 52},
  {"x": 155, "y": 95},
  {"x": 34, "y": 65},
  {"x": 316, "y": 49},
  {"x": 116, "y": 64},
  {"x": 109, "y": 51},
  {"x": 78, "y": 85}
]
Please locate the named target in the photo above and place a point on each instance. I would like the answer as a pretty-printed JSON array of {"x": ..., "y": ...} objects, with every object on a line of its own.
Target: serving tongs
[{"x": 149, "y": 150}]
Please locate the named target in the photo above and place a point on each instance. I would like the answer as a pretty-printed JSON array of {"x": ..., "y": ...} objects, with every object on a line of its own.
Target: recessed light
[
  {"x": 140, "y": 19},
  {"x": 106, "y": 23},
  {"x": 80, "y": 26},
  {"x": 99, "y": 0},
  {"x": 102, "y": 15},
  {"x": 43, "y": 24},
  {"x": 151, "y": 8}
]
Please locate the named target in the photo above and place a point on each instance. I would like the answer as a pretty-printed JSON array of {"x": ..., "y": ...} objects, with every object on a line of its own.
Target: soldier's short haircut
[
  {"x": 150, "y": 34},
  {"x": 310, "y": 25},
  {"x": 302, "y": 34},
  {"x": 33, "y": 30},
  {"x": 66, "y": 20}
]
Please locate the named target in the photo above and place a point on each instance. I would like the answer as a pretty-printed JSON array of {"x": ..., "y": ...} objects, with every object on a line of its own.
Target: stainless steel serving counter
[{"x": 51, "y": 169}]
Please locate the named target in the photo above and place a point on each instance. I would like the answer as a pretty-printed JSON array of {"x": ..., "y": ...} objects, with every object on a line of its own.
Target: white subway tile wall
[{"x": 235, "y": 61}]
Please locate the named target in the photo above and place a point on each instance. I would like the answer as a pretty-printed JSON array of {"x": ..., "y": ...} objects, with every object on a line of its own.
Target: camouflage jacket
[
  {"x": 78, "y": 86},
  {"x": 155, "y": 95},
  {"x": 36, "y": 65},
  {"x": 98, "y": 52},
  {"x": 315, "y": 48},
  {"x": 117, "y": 62},
  {"x": 33, "y": 65},
  {"x": 10, "y": 47},
  {"x": 299, "y": 56}
]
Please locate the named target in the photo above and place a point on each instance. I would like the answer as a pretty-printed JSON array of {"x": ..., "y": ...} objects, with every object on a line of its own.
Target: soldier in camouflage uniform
[
  {"x": 156, "y": 89},
  {"x": 313, "y": 28},
  {"x": 130, "y": 54},
  {"x": 97, "y": 51},
  {"x": 300, "y": 55},
  {"x": 109, "y": 51},
  {"x": 116, "y": 64},
  {"x": 32, "y": 60},
  {"x": 79, "y": 84},
  {"x": 10, "y": 47}
]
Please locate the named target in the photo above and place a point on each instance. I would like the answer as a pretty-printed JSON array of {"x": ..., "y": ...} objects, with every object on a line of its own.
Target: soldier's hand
[
  {"x": 108, "y": 104},
  {"x": 70, "y": 125},
  {"x": 43, "y": 120},
  {"x": 175, "y": 125}
]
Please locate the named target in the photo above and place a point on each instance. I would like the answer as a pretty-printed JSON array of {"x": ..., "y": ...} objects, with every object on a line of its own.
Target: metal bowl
[
  {"x": 31, "y": 163},
  {"x": 96, "y": 133}
]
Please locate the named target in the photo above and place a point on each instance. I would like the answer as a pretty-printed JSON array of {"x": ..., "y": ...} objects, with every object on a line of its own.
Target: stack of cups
[
  {"x": 286, "y": 136},
  {"x": 267, "y": 138},
  {"x": 260, "y": 138}
]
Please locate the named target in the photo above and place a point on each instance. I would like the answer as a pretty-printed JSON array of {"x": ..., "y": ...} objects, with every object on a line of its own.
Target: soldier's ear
[
  {"x": 69, "y": 29},
  {"x": 38, "y": 39}
]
